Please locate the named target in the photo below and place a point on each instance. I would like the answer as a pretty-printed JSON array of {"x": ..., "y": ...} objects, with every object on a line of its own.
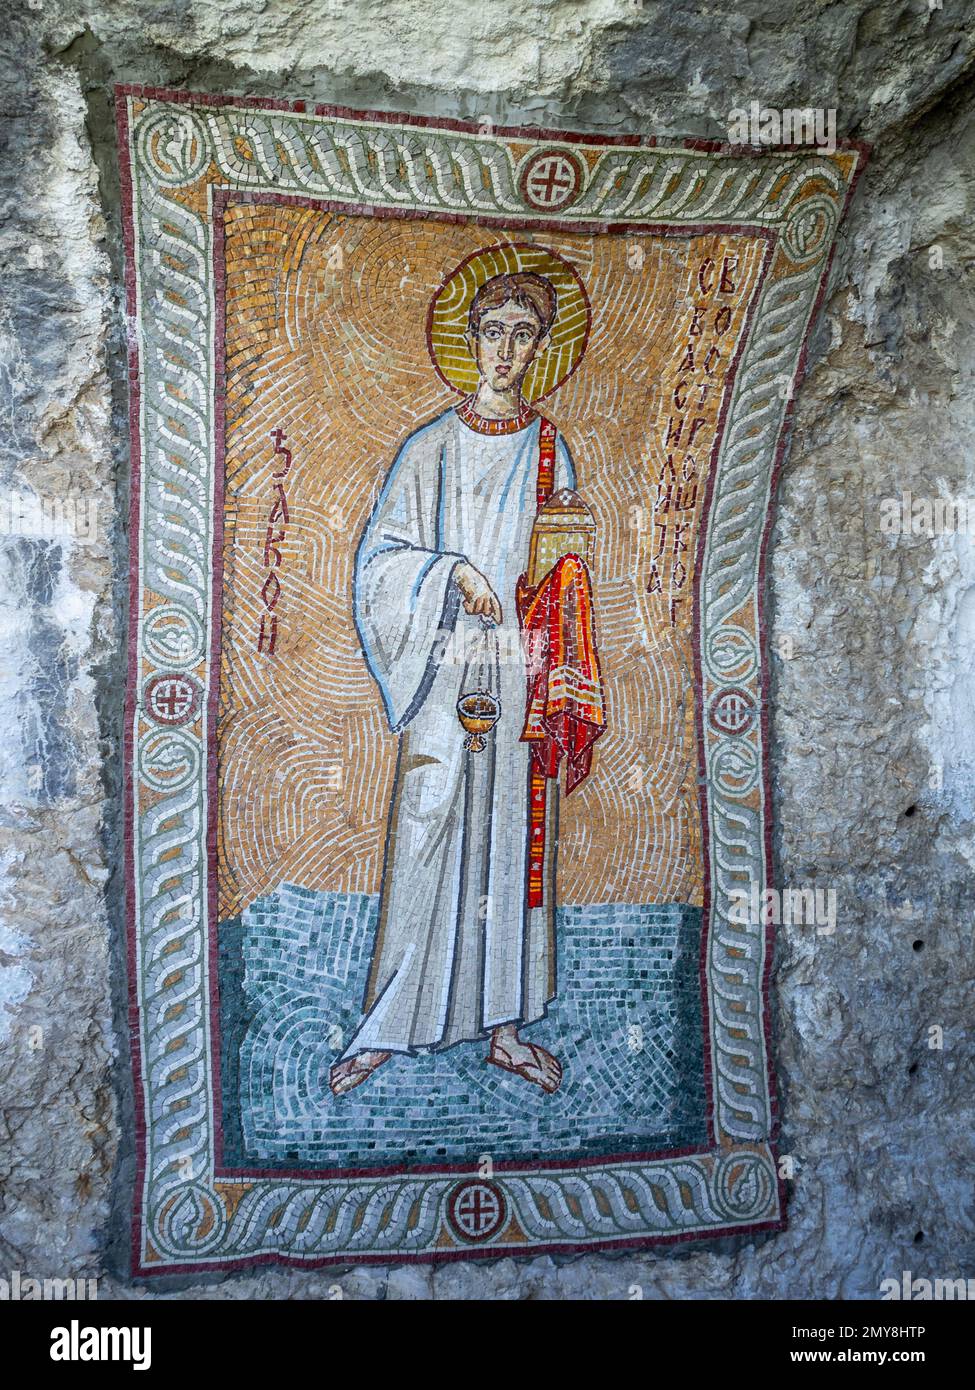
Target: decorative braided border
[{"x": 187, "y": 1216}]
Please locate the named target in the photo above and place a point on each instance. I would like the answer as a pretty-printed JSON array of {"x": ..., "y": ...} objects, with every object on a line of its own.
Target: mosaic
[{"x": 453, "y": 453}]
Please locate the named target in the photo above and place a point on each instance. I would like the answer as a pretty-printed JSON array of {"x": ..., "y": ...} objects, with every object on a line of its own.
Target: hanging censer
[
  {"x": 478, "y": 712},
  {"x": 478, "y": 709}
]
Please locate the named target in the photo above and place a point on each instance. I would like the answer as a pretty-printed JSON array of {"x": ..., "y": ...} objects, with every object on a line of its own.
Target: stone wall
[{"x": 873, "y": 634}]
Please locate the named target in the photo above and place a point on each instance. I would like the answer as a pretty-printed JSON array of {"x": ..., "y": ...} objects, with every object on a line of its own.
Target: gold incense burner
[{"x": 478, "y": 712}]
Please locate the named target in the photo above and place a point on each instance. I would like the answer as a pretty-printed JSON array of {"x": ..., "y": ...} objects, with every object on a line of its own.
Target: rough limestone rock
[{"x": 873, "y": 633}]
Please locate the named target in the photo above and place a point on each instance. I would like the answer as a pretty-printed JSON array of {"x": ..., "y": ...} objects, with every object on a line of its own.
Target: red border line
[
  {"x": 511, "y": 224},
  {"x": 700, "y": 712},
  {"x": 473, "y": 1252},
  {"x": 221, "y": 198},
  {"x": 218, "y": 206},
  {"x": 132, "y": 666}
]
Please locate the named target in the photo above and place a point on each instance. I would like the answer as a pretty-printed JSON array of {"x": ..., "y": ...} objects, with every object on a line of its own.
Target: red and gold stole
[{"x": 564, "y": 714}]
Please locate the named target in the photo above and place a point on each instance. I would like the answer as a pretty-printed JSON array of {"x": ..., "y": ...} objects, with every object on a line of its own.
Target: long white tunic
[{"x": 457, "y": 951}]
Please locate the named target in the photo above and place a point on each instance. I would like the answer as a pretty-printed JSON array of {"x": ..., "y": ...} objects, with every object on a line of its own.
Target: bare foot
[
  {"x": 527, "y": 1060},
  {"x": 345, "y": 1076}
]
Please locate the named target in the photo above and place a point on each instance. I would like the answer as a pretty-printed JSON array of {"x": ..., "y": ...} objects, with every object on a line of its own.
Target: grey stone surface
[{"x": 874, "y": 634}]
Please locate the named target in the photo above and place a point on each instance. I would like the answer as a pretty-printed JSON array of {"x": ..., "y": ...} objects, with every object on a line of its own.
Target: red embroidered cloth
[{"x": 565, "y": 712}]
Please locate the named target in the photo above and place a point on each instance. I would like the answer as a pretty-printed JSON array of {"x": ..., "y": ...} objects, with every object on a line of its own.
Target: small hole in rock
[
  {"x": 918, "y": 945},
  {"x": 910, "y": 810},
  {"x": 912, "y": 1069},
  {"x": 918, "y": 1237}
]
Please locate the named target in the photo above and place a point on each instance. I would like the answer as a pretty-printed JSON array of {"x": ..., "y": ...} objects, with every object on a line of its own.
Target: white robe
[{"x": 457, "y": 950}]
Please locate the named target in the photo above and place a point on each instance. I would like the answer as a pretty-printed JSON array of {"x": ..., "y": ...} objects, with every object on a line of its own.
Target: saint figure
[{"x": 465, "y": 943}]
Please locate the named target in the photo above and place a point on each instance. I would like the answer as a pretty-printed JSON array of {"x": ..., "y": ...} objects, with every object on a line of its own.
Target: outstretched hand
[{"x": 479, "y": 598}]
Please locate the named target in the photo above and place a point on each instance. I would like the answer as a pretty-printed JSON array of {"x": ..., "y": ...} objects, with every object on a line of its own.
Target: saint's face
[{"x": 508, "y": 339}]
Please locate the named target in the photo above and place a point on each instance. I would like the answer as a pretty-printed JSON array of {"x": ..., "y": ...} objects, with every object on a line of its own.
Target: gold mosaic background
[{"x": 326, "y": 340}]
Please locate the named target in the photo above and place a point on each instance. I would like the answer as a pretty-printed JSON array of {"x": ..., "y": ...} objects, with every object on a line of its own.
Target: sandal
[
  {"x": 353, "y": 1073},
  {"x": 529, "y": 1071}
]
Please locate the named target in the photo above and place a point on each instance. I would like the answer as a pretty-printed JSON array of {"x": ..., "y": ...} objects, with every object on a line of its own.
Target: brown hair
[{"x": 524, "y": 288}]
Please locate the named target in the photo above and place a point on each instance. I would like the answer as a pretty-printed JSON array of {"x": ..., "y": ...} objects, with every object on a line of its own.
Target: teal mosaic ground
[{"x": 626, "y": 1025}]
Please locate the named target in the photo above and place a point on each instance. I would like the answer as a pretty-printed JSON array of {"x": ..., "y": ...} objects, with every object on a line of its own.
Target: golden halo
[{"x": 447, "y": 319}]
